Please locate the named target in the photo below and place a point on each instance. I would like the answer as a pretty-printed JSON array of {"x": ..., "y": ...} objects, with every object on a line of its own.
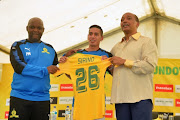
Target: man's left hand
[{"x": 117, "y": 60}]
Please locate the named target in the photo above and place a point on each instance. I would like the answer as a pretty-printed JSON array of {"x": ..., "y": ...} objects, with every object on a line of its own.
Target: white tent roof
[{"x": 66, "y": 21}]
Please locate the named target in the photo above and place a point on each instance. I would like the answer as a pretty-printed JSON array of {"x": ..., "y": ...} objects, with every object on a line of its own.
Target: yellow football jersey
[{"x": 87, "y": 74}]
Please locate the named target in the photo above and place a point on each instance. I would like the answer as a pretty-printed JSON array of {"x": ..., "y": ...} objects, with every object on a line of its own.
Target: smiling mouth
[
  {"x": 92, "y": 40},
  {"x": 125, "y": 25},
  {"x": 35, "y": 35}
]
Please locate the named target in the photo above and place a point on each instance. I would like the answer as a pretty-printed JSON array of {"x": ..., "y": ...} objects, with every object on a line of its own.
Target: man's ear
[
  {"x": 102, "y": 38},
  {"x": 27, "y": 28},
  {"x": 137, "y": 24}
]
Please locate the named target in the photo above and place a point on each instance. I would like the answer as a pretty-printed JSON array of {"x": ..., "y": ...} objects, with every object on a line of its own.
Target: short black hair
[{"x": 97, "y": 26}]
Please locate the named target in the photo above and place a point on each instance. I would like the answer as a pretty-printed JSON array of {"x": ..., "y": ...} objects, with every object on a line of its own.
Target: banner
[
  {"x": 166, "y": 90},
  {"x": 5, "y": 88},
  {"x": 167, "y": 87}
]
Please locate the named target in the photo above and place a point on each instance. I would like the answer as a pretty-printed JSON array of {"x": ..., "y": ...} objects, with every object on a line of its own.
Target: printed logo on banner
[
  {"x": 7, "y": 101},
  {"x": 108, "y": 100},
  {"x": 53, "y": 100},
  {"x": 109, "y": 114},
  {"x": 165, "y": 115},
  {"x": 61, "y": 113},
  {"x": 66, "y": 87},
  {"x": 164, "y": 102},
  {"x": 65, "y": 100},
  {"x": 54, "y": 87},
  {"x": 163, "y": 88},
  {"x": 177, "y": 88},
  {"x": 177, "y": 114},
  {"x": 177, "y": 102},
  {"x": 6, "y": 114},
  {"x": 162, "y": 70}
]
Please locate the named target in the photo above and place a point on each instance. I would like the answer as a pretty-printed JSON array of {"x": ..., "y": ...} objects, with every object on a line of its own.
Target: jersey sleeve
[
  {"x": 64, "y": 68},
  {"x": 110, "y": 55},
  {"x": 21, "y": 67},
  {"x": 55, "y": 62},
  {"x": 108, "y": 70}
]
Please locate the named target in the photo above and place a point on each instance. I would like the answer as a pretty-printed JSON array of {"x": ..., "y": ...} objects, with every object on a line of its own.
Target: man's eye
[
  {"x": 122, "y": 20},
  {"x": 90, "y": 33},
  {"x": 40, "y": 28},
  {"x": 32, "y": 27}
]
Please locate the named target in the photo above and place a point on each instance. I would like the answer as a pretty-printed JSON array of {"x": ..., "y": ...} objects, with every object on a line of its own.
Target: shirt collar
[{"x": 135, "y": 36}]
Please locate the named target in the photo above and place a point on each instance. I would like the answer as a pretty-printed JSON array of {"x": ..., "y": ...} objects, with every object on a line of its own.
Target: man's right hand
[
  {"x": 52, "y": 69},
  {"x": 63, "y": 59},
  {"x": 71, "y": 52}
]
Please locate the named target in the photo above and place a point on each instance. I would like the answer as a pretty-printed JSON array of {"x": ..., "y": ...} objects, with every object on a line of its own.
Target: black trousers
[{"x": 21, "y": 109}]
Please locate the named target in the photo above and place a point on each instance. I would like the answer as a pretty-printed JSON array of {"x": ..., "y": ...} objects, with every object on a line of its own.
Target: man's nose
[
  {"x": 125, "y": 20},
  {"x": 35, "y": 29},
  {"x": 93, "y": 35}
]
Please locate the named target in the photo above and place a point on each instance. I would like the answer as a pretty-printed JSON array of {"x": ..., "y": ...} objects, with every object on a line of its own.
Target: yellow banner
[
  {"x": 166, "y": 90},
  {"x": 167, "y": 86}
]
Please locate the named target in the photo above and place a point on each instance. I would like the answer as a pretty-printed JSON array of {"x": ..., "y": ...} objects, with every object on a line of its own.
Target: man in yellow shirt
[{"x": 96, "y": 111}]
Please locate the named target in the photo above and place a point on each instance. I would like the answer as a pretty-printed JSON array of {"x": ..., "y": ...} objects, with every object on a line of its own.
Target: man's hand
[
  {"x": 63, "y": 59},
  {"x": 117, "y": 60},
  {"x": 71, "y": 52},
  {"x": 104, "y": 57},
  {"x": 52, "y": 69}
]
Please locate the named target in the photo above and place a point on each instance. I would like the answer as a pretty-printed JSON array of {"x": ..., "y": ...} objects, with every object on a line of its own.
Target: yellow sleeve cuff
[{"x": 129, "y": 63}]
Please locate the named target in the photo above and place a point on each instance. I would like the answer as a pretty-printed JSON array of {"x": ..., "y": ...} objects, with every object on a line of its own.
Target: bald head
[
  {"x": 135, "y": 16},
  {"x": 35, "y": 19},
  {"x": 35, "y": 29},
  {"x": 129, "y": 23}
]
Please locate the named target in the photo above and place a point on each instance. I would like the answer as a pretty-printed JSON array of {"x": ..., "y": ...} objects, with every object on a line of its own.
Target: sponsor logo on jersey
[
  {"x": 66, "y": 87},
  {"x": 13, "y": 114},
  {"x": 27, "y": 53},
  {"x": 163, "y": 88},
  {"x": 45, "y": 50},
  {"x": 27, "y": 49}
]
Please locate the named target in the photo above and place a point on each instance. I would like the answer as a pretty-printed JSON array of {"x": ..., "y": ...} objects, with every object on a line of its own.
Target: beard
[{"x": 34, "y": 39}]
